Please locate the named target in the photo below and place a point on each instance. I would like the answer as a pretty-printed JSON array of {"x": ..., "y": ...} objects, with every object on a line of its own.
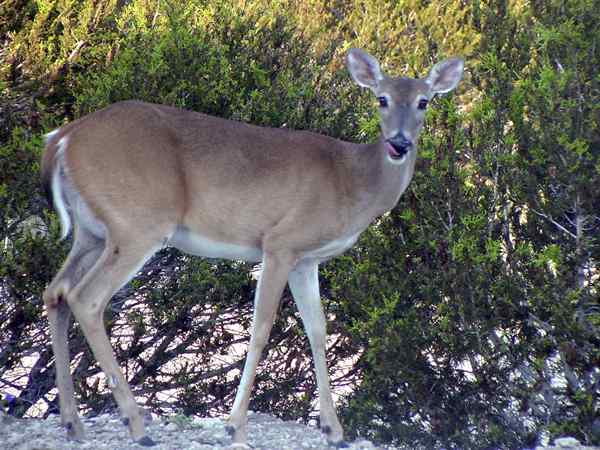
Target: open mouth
[{"x": 395, "y": 150}]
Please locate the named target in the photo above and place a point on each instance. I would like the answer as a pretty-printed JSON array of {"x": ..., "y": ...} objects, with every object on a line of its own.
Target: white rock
[
  {"x": 171, "y": 427},
  {"x": 566, "y": 442},
  {"x": 363, "y": 445},
  {"x": 209, "y": 422}
]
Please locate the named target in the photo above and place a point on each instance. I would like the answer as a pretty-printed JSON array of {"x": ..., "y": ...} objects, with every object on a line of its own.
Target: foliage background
[{"x": 468, "y": 317}]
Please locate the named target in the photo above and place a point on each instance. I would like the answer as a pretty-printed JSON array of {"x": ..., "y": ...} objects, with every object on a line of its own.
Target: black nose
[{"x": 400, "y": 143}]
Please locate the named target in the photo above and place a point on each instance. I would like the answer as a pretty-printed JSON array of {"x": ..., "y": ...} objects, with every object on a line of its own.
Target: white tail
[{"x": 135, "y": 177}]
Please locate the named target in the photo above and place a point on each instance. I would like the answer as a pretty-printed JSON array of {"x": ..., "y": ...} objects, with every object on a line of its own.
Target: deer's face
[{"x": 402, "y": 101}]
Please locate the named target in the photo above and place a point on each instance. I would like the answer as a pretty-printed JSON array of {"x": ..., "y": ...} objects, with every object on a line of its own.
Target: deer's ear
[
  {"x": 445, "y": 75},
  {"x": 364, "y": 68}
]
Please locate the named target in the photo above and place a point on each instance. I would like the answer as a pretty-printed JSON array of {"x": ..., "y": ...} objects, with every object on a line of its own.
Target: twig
[{"x": 555, "y": 223}]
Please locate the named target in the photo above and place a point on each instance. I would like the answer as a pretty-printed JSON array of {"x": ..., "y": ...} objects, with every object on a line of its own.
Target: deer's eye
[
  {"x": 382, "y": 101},
  {"x": 422, "y": 104}
]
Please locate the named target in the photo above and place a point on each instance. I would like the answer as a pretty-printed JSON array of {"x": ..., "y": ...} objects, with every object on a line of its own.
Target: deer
[{"x": 135, "y": 177}]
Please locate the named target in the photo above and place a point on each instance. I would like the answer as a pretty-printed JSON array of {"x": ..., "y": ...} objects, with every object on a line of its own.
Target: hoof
[
  {"x": 146, "y": 441},
  {"x": 326, "y": 429},
  {"x": 74, "y": 430}
]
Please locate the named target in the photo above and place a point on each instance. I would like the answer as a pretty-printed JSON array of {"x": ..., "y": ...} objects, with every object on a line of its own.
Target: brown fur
[
  {"x": 137, "y": 176},
  {"x": 186, "y": 164}
]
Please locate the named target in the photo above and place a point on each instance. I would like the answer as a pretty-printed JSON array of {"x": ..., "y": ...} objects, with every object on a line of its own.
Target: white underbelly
[
  {"x": 332, "y": 248},
  {"x": 196, "y": 244},
  {"x": 199, "y": 245}
]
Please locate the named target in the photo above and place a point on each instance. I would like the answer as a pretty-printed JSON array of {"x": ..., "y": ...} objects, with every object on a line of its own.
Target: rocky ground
[{"x": 106, "y": 432}]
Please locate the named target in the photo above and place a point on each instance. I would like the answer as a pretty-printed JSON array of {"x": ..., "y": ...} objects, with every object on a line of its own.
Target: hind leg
[
  {"x": 85, "y": 251},
  {"x": 119, "y": 262}
]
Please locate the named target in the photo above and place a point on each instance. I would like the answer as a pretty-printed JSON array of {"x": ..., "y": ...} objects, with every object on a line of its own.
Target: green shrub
[{"x": 461, "y": 308}]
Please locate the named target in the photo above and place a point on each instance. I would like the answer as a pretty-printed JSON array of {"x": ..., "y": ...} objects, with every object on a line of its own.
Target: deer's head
[{"x": 402, "y": 101}]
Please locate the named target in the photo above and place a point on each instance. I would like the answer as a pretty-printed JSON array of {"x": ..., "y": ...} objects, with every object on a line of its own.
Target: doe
[{"x": 134, "y": 177}]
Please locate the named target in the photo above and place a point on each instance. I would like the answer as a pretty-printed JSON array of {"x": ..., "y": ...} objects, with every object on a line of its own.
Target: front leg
[
  {"x": 271, "y": 283},
  {"x": 304, "y": 284}
]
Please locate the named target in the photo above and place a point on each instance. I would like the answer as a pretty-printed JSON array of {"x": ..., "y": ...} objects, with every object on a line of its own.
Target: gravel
[{"x": 106, "y": 432}]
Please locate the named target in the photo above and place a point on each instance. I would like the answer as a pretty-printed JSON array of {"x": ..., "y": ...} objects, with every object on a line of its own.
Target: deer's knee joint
[
  {"x": 56, "y": 293},
  {"x": 81, "y": 305},
  {"x": 72, "y": 298},
  {"x": 51, "y": 300}
]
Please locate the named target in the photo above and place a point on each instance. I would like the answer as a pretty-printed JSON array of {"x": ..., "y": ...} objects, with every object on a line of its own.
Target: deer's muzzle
[{"x": 398, "y": 146}]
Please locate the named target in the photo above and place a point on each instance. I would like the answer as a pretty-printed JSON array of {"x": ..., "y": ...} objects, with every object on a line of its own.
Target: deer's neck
[{"x": 382, "y": 180}]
